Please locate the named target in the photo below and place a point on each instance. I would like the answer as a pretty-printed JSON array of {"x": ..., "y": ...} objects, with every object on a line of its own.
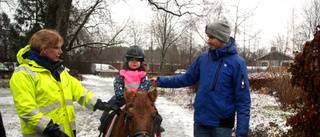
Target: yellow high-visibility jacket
[{"x": 39, "y": 97}]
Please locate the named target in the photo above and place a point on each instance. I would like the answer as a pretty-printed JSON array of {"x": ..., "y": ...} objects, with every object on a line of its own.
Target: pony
[{"x": 138, "y": 117}]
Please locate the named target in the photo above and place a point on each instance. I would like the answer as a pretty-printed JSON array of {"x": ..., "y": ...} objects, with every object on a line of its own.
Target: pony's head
[{"x": 140, "y": 113}]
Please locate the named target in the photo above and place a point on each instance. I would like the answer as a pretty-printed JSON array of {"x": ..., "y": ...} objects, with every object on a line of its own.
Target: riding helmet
[{"x": 135, "y": 52}]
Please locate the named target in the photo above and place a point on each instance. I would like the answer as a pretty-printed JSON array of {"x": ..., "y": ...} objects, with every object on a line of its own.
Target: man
[{"x": 224, "y": 86}]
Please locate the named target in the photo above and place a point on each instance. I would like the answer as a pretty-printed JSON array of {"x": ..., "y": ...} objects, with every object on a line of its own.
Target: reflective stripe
[
  {"x": 73, "y": 125},
  {"x": 69, "y": 102},
  {"x": 54, "y": 106},
  {"x": 26, "y": 117},
  {"x": 50, "y": 107},
  {"x": 83, "y": 97},
  {"x": 42, "y": 123},
  {"x": 61, "y": 127},
  {"x": 25, "y": 68},
  {"x": 34, "y": 135},
  {"x": 131, "y": 85},
  {"x": 92, "y": 102}
]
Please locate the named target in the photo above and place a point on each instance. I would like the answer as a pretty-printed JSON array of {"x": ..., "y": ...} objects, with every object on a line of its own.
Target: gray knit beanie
[{"x": 220, "y": 30}]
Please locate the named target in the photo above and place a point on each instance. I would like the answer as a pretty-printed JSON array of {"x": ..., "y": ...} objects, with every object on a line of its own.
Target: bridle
[{"x": 140, "y": 133}]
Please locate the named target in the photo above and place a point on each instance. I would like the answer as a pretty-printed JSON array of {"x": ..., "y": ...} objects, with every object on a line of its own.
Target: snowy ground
[{"x": 173, "y": 107}]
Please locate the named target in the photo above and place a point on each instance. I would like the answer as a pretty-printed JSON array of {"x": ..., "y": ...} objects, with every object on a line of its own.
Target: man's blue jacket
[{"x": 223, "y": 90}]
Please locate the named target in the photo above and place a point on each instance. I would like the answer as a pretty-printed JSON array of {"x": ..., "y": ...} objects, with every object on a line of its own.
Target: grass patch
[
  {"x": 271, "y": 107},
  {"x": 161, "y": 92}
]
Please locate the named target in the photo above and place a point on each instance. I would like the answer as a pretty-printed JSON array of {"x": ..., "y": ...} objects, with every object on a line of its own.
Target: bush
[
  {"x": 305, "y": 74},
  {"x": 259, "y": 80},
  {"x": 284, "y": 91},
  {"x": 275, "y": 84}
]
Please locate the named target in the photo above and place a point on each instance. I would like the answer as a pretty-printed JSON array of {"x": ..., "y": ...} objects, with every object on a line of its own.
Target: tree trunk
[{"x": 58, "y": 19}]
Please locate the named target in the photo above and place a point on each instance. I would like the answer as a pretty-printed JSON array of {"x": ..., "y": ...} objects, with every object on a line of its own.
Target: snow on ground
[
  {"x": 172, "y": 106},
  {"x": 265, "y": 112}
]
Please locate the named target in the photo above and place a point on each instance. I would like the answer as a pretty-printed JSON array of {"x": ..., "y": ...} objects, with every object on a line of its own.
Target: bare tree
[
  {"x": 10, "y": 4},
  {"x": 241, "y": 15},
  {"x": 137, "y": 33},
  {"x": 166, "y": 31},
  {"x": 311, "y": 18},
  {"x": 92, "y": 27},
  {"x": 179, "y": 8},
  {"x": 215, "y": 11},
  {"x": 281, "y": 42},
  {"x": 292, "y": 33},
  {"x": 186, "y": 12},
  {"x": 249, "y": 42}
]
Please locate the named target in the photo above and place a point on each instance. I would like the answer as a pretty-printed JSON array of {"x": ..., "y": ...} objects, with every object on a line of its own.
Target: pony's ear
[
  {"x": 128, "y": 95},
  {"x": 153, "y": 95}
]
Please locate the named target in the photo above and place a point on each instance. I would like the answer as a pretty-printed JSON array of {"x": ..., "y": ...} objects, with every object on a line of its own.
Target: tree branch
[
  {"x": 82, "y": 24},
  {"x": 106, "y": 44},
  {"x": 179, "y": 14}
]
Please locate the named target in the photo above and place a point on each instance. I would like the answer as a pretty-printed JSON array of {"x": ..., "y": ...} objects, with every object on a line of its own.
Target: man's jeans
[{"x": 211, "y": 131}]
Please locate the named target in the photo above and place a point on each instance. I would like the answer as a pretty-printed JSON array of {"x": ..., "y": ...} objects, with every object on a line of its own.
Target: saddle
[{"x": 107, "y": 121}]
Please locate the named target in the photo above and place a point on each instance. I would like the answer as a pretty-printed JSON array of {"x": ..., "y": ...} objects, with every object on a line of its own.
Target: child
[{"x": 132, "y": 76}]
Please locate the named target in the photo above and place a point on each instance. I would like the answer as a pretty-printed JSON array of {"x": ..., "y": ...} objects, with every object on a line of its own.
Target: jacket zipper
[
  {"x": 216, "y": 77},
  {"x": 242, "y": 80}
]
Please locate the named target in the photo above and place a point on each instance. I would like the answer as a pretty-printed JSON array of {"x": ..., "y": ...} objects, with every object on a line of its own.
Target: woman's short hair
[{"x": 45, "y": 38}]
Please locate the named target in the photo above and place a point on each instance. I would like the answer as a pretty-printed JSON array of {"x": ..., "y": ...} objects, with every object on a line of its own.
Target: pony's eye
[{"x": 130, "y": 106}]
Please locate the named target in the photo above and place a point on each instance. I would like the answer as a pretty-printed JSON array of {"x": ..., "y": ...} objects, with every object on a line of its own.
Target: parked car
[
  {"x": 180, "y": 71},
  {"x": 97, "y": 68},
  {"x": 3, "y": 67},
  {"x": 11, "y": 65}
]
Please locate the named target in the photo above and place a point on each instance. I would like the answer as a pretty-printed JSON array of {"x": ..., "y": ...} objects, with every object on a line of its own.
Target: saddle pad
[{"x": 110, "y": 126}]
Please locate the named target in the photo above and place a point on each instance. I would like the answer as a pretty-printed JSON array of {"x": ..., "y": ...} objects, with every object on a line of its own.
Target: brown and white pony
[{"x": 138, "y": 118}]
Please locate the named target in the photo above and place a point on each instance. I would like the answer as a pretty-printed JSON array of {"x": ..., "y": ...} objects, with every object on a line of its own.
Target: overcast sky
[{"x": 271, "y": 16}]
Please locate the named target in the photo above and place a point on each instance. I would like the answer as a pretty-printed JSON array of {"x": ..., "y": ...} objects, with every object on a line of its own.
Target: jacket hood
[
  {"x": 28, "y": 55},
  {"x": 230, "y": 48},
  {"x": 21, "y": 52},
  {"x": 32, "y": 54}
]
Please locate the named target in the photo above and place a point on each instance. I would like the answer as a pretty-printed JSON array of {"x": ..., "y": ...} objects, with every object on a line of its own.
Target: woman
[{"x": 44, "y": 92}]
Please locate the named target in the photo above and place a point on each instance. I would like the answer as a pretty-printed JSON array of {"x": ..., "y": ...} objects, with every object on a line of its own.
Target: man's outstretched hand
[{"x": 154, "y": 81}]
